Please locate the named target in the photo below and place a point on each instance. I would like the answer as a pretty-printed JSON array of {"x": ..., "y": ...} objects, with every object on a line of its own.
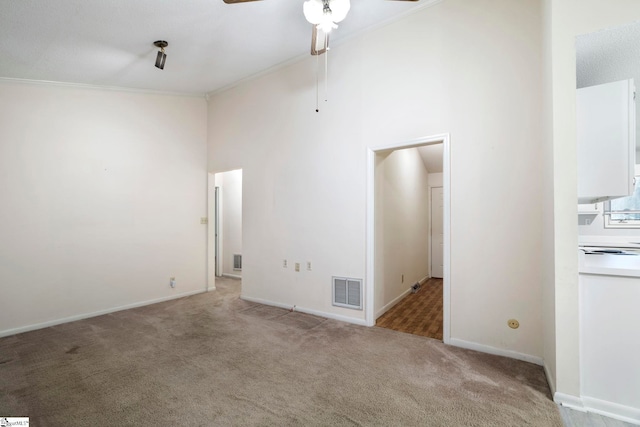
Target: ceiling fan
[{"x": 324, "y": 15}]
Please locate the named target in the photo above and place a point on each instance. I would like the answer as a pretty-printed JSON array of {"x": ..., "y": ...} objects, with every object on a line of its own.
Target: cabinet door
[
  {"x": 609, "y": 345},
  {"x": 606, "y": 141}
]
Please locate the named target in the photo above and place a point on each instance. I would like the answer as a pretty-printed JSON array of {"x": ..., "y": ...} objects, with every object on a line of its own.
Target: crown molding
[{"x": 9, "y": 80}]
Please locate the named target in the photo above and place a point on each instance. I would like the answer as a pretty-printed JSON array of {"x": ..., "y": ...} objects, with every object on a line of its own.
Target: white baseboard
[
  {"x": 333, "y": 316},
  {"x": 497, "y": 351},
  {"x": 396, "y": 300},
  {"x": 624, "y": 413},
  {"x": 233, "y": 276},
  {"x": 569, "y": 401},
  {"x": 423, "y": 280},
  {"x": 616, "y": 411},
  {"x": 550, "y": 379},
  {"x": 42, "y": 325}
]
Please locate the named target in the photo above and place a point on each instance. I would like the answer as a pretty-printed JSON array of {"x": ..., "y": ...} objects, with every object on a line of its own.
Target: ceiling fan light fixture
[
  {"x": 326, "y": 13},
  {"x": 339, "y": 9},
  {"x": 327, "y": 25}
]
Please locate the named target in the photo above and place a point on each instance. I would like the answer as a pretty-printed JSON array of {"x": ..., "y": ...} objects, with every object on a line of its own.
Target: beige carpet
[{"x": 213, "y": 359}]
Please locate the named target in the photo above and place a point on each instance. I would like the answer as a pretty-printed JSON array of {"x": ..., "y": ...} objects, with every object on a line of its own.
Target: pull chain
[
  {"x": 326, "y": 66},
  {"x": 326, "y": 73},
  {"x": 317, "y": 82}
]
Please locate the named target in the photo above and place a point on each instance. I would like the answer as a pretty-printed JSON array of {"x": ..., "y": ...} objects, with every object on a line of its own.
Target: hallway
[{"x": 418, "y": 313}]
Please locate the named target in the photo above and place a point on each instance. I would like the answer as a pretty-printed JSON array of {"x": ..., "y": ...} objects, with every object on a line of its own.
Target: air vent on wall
[
  {"x": 237, "y": 262},
  {"x": 347, "y": 292}
]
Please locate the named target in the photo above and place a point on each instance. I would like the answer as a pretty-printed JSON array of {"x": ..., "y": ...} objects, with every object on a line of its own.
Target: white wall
[
  {"x": 435, "y": 180},
  {"x": 102, "y": 194},
  {"x": 402, "y": 226},
  {"x": 547, "y": 253},
  {"x": 468, "y": 67},
  {"x": 564, "y": 20},
  {"x": 230, "y": 184}
]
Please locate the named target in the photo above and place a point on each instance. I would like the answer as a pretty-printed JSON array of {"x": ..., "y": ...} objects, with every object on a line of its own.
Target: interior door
[
  {"x": 437, "y": 232},
  {"x": 218, "y": 256}
]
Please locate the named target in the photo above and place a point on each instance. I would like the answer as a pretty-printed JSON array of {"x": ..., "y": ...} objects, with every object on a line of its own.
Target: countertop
[{"x": 625, "y": 264}]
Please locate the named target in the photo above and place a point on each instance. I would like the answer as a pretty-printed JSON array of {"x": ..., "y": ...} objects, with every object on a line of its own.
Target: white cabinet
[
  {"x": 606, "y": 132},
  {"x": 609, "y": 344},
  {"x": 590, "y": 209}
]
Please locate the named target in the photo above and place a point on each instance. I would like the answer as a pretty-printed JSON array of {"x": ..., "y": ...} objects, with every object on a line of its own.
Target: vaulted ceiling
[{"x": 212, "y": 45}]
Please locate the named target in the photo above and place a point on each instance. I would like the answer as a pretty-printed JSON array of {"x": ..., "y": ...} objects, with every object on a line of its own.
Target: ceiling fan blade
[
  {"x": 318, "y": 43},
  {"x": 237, "y": 1}
]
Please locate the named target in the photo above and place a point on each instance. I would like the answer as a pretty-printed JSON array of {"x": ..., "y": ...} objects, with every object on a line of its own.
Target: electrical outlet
[
  {"x": 308, "y": 265},
  {"x": 297, "y": 266},
  {"x": 172, "y": 282},
  {"x": 513, "y": 323},
  {"x": 284, "y": 263}
]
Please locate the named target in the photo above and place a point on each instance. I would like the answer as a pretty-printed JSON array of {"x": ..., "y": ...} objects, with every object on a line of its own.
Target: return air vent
[
  {"x": 347, "y": 292},
  {"x": 237, "y": 262}
]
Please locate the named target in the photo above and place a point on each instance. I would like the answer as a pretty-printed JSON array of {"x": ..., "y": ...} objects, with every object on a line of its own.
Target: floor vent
[
  {"x": 237, "y": 262},
  {"x": 347, "y": 292}
]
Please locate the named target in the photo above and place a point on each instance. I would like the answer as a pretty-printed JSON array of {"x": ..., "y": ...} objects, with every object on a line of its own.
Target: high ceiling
[{"x": 212, "y": 45}]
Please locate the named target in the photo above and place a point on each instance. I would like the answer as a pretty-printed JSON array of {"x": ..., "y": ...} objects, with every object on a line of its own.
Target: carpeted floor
[
  {"x": 419, "y": 313},
  {"x": 213, "y": 359}
]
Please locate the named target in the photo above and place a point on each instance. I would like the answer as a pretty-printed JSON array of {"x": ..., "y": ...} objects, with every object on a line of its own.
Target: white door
[
  {"x": 437, "y": 232},
  {"x": 218, "y": 256}
]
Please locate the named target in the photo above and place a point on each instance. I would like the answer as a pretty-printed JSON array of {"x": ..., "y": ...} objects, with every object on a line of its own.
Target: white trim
[
  {"x": 334, "y": 43},
  {"x": 42, "y": 325},
  {"x": 333, "y": 316},
  {"x": 569, "y": 401},
  {"x": 412, "y": 143},
  {"x": 550, "y": 379},
  {"x": 446, "y": 280},
  {"x": 369, "y": 280},
  {"x": 497, "y": 351},
  {"x": 211, "y": 226},
  {"x": 396, "y": 300},
  {"x": 424, "y": 280},
  {"x": 9, "y": 80},
  {"x": 624, "y": 413},
  {"x": 370, "y": 225},
  {"x": 616, "y": 411},
  {"x": 233, "y": 276}
]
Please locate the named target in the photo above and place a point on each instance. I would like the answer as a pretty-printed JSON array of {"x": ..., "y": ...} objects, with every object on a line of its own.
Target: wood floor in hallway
[{"x": 419, "y": 313}]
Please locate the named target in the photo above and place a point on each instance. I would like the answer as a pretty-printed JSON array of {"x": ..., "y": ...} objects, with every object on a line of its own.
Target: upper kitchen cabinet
[{"x": 606, "y": 120}]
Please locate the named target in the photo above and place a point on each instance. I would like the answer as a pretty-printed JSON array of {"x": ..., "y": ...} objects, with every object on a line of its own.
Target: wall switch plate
[
  {"x": 284, "y": 263},
  {"x": 172, "y": 282},
  {"x": 204, "y": 220},
  {"x": 308, "y": 265},
  {"x": 297, "y": 266}
]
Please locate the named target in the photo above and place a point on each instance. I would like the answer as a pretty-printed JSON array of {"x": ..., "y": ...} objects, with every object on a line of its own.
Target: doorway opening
[
  {"x": 408, "y": 234},
  {"x": 225, "y": 226}
]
